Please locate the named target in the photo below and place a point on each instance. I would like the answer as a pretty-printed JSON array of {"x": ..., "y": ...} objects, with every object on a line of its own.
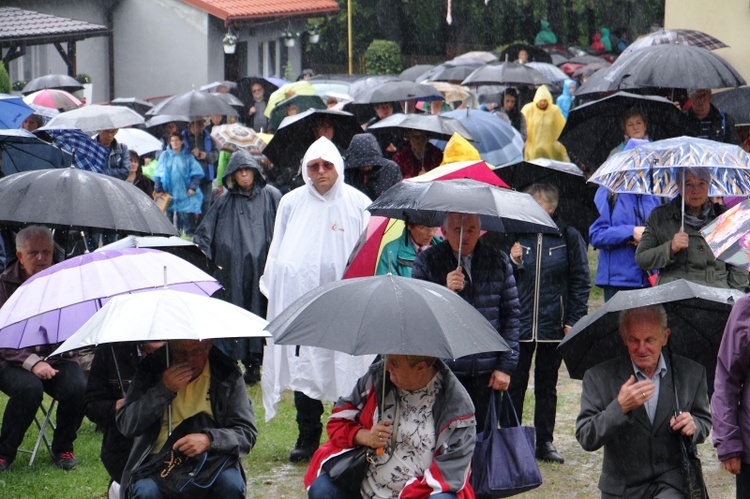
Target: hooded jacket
[
  {"x": 545, "y": 35},
  {"x": 543, "y": 127},
  {"x": 236, "y": 233},
  {"x": 313, "y": 236},
  {"x": 455, "y": 428},
  {"x": 566, "y": 99},
  {"x": 606, "y": 40},
  {"x": 176, "y": 173},
  {"x": 364, "y": 151}
]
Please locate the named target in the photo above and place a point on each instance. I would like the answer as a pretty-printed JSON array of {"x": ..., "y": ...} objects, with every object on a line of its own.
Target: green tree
[
  {"x": 383, "y": 57},
  {"x": 4, "y": 80}
]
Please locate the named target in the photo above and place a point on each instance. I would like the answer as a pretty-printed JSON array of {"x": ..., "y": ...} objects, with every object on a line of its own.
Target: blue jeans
[
  {"x": 324, "y": 488},
  {"x": 229, "y": 485}
]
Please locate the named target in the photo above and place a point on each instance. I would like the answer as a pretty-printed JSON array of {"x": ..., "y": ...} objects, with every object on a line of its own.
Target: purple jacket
[{"x": 729, "y": 405}]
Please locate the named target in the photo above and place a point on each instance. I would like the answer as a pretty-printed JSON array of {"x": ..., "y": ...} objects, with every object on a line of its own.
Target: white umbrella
[
  {"x": 165, "y": 315},
  {"x": 94, "y": 117},
  {"x": 138, "y": 140}
]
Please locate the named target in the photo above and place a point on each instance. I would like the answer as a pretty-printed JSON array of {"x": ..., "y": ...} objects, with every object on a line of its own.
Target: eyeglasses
[{"x": 314, "y": 167}]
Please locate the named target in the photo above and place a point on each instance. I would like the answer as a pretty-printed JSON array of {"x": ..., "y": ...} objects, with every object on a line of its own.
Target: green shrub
[
  {"x": 83, "y": 78},
  {"x": 4, "y": 80},
  {"x": 383, "y": 57},
  {"x": 18, "y": 85}
]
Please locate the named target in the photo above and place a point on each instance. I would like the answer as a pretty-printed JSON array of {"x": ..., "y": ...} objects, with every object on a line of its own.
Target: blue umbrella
[
  {"x": 23, "y": 151},
  {"x": 496, "y": 140},
  {"x": 13, "y": 111}
]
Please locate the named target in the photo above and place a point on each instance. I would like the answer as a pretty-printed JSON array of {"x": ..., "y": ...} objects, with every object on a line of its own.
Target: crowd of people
[{"x": 275, "y": 235}]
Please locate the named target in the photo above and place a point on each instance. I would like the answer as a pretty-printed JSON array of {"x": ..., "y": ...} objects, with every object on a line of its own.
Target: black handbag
[
  {"x": 348, "y": 469},
  {"x": 504, "y": 463},
  {"x": 177, "y": 475}
]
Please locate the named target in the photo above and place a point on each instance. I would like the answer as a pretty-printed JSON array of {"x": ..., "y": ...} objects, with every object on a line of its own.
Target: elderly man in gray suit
[{"x": 628, "y": 407}]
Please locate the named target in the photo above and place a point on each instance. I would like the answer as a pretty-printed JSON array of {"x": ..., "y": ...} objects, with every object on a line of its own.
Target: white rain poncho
[{"x": 313, "y": 237}]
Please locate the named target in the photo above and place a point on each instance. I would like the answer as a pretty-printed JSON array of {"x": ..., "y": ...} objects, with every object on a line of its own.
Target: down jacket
[
  {"x": 454, "y": 423},
  {"x": 492, "y": 291}
]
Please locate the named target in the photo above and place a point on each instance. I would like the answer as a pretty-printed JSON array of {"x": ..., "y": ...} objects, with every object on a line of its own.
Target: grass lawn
[{"x": 270, "y": 475}]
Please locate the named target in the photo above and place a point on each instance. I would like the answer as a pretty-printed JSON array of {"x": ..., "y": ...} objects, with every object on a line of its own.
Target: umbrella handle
[{"x": 460, "y": 241}]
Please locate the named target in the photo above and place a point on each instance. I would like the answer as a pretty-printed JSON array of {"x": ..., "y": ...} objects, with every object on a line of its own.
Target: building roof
[
  {"x": 249, "y": 10},
  {"x": 34, "y": 28}
]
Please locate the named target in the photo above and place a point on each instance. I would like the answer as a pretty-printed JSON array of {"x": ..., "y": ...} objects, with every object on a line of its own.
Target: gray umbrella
[
  {"x": 386, "y": 315},
  {"x": 506, "y": 73},
  {"x": 137, "y": 105},
  {"x": 194, "y": 103},
  {"x": 56, "y": 81},
  {"x": 696, "y": 315},
  {"x": 94, "y": 117},
  {"x": 436, "y": 126}
]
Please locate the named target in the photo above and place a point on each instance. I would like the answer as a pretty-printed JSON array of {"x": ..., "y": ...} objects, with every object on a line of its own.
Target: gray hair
[
  {"x": 462, "y": 220},
  {"x": 692, "y": 92},
  {"x": 547, "y": 192},
  {"x": 32, "y": 232},
  {"x": 657, "y": 312},
  {"x": 702, "y": 173}
]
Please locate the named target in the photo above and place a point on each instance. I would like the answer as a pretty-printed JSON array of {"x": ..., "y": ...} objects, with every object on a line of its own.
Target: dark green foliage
[
  {"x": 4, "y": 80},
  {"x": 383, "y": 57}
]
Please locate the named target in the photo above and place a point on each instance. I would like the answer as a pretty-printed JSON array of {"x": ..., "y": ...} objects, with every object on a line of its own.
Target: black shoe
[
  {"x": 307, "y": 443},
  {"x": 65, "y": 460},
  {"x": 4, "y": 464},
  {"x": 252, "y": 374},
  {"x": 547, "y": 452}
]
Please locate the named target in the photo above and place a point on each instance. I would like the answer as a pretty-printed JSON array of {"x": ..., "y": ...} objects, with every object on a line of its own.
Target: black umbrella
[
  {"x": 593, "y": 129},
  {"x": 412, "y": 73},
  {"x": 163, "y": 119},
  {"x": 435, "y": 125},
  {"x": 394, "y": 90},
  {"x": 736, "y": 102},
  {"x": 506, "y": 73},
  {"x": 137, "y": 105},
  {"x": 597, "y": 85},
  {"x": 674, "y": 66},
  {"x": 589, "y": 69},
  {"x": 69, "y": 198},
  {"x": 451, "y": 71},
  {"x": 536, "y": 54},
  {"x": 386, "y": 315},
  {"x": 586, "y": 59},
  {"x": 295, "y": 135},
  {"x": 56, "y": 81},
  {"x": 427, "y": 202},
  {"x": 194, "y": 104},
  {"x": 23, "y": 151},
  {"x": 576, "y": 204},
  {"x": 696, "y": 314}
]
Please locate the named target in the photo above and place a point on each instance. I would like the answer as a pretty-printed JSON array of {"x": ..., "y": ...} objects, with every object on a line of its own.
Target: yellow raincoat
[
  {"x": 459, "y": 149},
  {"x": 543, "y": 127}
]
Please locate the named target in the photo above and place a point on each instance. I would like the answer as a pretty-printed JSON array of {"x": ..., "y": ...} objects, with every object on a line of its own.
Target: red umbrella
[{"x": 380, "y": 230}]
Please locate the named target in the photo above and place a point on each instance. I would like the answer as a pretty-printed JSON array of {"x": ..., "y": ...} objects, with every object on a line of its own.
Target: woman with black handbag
[{"x": 414, "y": 436}]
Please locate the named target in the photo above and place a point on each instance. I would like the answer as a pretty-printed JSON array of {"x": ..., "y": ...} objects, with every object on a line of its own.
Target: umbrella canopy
[
  {"x": 735, "y": 102},
  {"x": 214, "y": 86},
  {"x": 510, "y": 53},
  {"x": 239, "y": 137},
  {"x": 386, "y": 315},
  {"x": 412, "y": 73},
  {"x": 163, "y": 316},
  {"x": 652, "y": 168},
  {"x": 593, "y": 129},
  {"x": 63, "y": 297},
  {"x": 230, "y": 99},
  {"x": 23, "y": 151},
  {"x": 490, "y": 93},
  {"x": 576, "y": 204},
  {"x": 451, "y": 71},
  {"x": 671, "y": 36},
  {"x": 696, "y": 314},
  {"x": 166, "y": 118},
  {"x": 93, "y": 118},
  {"x": 506, "y": 73},
  {"x": 187, "y": 250},
  {"x": 450, "y": 91},
  {"x": 55, "y": 99},
  {"x": 477, "y": 55},
  {"x": 87, "y": 153},
  {"x": 69, "y": 198},
  {"x": 287, "y": 90},
  {"x": 674, "y": 66},
  {"x": 500, "y": 210},
  {"x": 13, "y": 111},
  {"x": 53, "y": 81},
  {"x": 295, "y": 135},
  {"x": 589, "y": 69},
  {"x": 138, "y": 140},
  {"x": 496, "y": 139},
  {"x": 437, "y": 126},
  {"x": 727, "y": 235},
  {"x": 194, "y": 104},
  {"x": 137, "y": 105},
  {"x": 394, "y": 90},
  {"x": 550, "y": 71},
  {"x": 302, "y": 102}
]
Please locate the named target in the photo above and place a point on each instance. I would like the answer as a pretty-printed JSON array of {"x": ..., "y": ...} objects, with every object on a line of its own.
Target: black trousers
[
  {"x": 479, "y": 391},
  {"x": 309, "y": 411},
  {"x": 26, "y": 391},
  {"x": 546, "y": 369},
  {"x": 743, "y": 481}
]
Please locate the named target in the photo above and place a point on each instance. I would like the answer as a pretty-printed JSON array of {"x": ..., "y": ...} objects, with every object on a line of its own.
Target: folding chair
[{"x": 42, "y": 423}]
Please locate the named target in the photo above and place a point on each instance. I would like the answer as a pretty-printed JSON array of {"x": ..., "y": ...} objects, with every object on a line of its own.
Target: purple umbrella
[{"x": 53, "y": 304}]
